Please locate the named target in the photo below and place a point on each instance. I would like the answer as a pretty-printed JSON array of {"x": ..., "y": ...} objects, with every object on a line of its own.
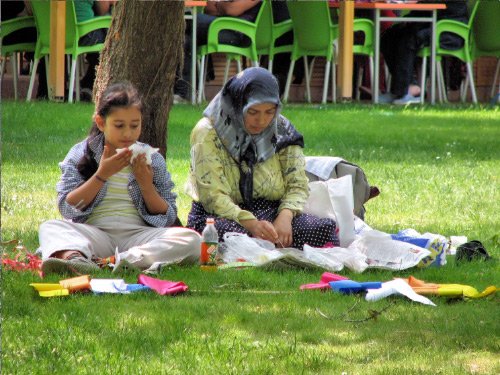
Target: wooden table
[{"x": 378, "y": 6}]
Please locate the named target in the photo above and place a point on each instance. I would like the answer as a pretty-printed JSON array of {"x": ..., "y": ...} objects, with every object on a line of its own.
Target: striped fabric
[{"x": 117, "y": 201}]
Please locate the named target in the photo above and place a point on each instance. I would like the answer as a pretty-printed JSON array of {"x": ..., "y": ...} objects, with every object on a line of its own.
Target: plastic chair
[
  {"x": 74, "y": 31},
  {"x": 261, "y": 26},
  {"x": 268, "y": 32},
  {"x": 486, "y": 37},
  {"x": 464, "y": 53},
  {"x": 313, "y": 35},
  {"x": 6, "y": 28}
]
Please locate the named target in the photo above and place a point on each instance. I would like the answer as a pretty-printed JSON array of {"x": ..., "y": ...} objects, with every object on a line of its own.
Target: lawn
[{"x": 437, "y": 169}]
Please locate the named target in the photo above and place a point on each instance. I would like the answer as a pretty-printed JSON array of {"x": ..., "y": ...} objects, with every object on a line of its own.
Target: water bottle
[{"x": 209, "y": 243}]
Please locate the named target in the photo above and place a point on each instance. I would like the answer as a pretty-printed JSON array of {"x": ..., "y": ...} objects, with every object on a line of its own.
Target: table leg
[
  {"x": 194, "y": 11},
  {"x": 376, "y": 64},
  {"x": 433, "y": 57}
]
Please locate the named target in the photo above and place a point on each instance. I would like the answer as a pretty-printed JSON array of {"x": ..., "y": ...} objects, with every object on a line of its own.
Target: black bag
[{"x": 469, "y": 251}]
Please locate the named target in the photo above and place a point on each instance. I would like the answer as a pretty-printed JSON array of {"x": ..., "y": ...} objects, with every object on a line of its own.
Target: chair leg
[
  {"x": 201, "y": 79},
  {"x": 472, "y": 86},
  {"x": 372, "y": 76},
  {"x": 32, "y": 79},
  {"x": 270, "y": 65},
  {"x": 443, "y": 94},
  {"x": 226, "y": 71},
  {"x": 238, "y": 63},
  {"x": 2, "y": 68},
  {"x": 387, "y": 79},
  {"x": 423, "y": 76},
  {"x": 72, "y": 80},
  {"x": 306, "y": 73},
  {"x": 439, "y": 82},
  {"x": 79, "y": 63},
  {"x": 494, "y": 85},
  {"x": 358, "y": 86},
  {"x": 50, "y": 93},
  {"x": 334, "y": 82},
  {"x": 13, "y": 60},
  {"x": 288, "y": 81},
  {"x": 327, "y": 79},
  {"x": 463, "y": 88}
]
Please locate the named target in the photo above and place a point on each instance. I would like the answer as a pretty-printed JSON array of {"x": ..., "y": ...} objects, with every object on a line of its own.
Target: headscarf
[{"x": 227, "y": 113}]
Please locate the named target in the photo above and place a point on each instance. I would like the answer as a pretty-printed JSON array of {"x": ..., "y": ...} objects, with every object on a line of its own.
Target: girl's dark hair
[{"x": 117, "y": 95}]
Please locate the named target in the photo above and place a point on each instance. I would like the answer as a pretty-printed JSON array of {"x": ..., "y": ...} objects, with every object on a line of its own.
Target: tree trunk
[{"x": 144, "y": 46}]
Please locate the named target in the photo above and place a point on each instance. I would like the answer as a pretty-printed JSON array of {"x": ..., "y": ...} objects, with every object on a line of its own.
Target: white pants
[{"x": 139, "y": 244}]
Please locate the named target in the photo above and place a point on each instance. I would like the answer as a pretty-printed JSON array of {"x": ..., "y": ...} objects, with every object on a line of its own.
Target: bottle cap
[{"x": 210, "y": 220}]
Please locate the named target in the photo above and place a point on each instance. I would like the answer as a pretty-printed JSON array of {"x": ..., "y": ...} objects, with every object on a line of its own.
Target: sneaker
[
  {"x": 386, "y": 98},
  {"x": 76, "y": 265},
  {"x": 407, "y": 99}
]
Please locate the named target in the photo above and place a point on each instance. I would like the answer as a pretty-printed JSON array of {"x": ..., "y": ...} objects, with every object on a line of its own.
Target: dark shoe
[
  {"x": 73, "y": 265},
  {"x": 86, "y": 95}
]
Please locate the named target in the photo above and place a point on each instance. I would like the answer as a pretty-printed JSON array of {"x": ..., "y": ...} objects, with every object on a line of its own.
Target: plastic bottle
[{"x": 209, "y": 243}]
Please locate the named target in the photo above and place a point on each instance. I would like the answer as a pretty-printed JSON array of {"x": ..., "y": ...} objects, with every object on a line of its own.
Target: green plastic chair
[
  {"x": 367, "y": 27},
  {"x": 74, "y": 31},
  {"x": 313, "y": 35},
  {"x": 268, "y": 33},
  {"x": 486, "y": 37},
  {"x": 261, "y": 26},
  {"x": 6, "y": 28},
  {"x": 314, "y": 40},
  {"x": 464, "y": 53}
]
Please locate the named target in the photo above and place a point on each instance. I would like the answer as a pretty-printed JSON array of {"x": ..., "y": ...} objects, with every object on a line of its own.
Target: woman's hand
[
  {"x": 113, "y": 163},
  {"x": 261, "y": 229},
  {"x": 283, "y": 226},
  {"x": 142, "y": 171}
]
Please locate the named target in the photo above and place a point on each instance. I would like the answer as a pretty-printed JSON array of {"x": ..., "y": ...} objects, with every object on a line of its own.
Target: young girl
[{"x": 111, "y": 203}]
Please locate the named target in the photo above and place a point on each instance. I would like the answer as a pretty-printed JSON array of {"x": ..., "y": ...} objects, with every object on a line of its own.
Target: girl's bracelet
[{"x": 99, "y": 178}]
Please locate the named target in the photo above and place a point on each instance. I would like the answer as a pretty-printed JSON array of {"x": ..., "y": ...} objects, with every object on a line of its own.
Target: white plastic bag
[
  {"x": 334, "y": 199},
  {"x": 239, "y": 246},
  {"x": 384, "y": 252},
  {"x": 335, "y": 258}
]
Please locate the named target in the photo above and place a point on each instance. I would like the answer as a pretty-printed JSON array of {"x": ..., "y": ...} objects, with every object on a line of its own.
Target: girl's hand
[
  {"x": 261, "y": 229},
  {"x": 113, "y": 163},
  {"x": 142, "y": 171},
  {"x": 283, "y": 226}
]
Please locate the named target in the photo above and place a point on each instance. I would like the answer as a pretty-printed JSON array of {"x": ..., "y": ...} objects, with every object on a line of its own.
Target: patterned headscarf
[{"x": 227, "y": 113}]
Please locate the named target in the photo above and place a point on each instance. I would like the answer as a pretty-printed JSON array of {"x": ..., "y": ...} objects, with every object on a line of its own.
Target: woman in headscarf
[{"x": 247, "y": 167}]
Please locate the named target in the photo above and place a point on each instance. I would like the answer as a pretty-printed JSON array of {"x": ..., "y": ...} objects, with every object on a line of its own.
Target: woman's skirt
[{"x": 306, "y": 229}]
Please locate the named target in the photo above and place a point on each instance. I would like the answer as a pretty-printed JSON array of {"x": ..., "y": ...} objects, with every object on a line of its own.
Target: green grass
[{"x": 438, "y": 172}]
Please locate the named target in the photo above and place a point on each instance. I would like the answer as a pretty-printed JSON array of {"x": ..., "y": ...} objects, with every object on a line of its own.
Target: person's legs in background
[
  {"x": 87, "y": 82},
  {"x": 399, "y": 46}
]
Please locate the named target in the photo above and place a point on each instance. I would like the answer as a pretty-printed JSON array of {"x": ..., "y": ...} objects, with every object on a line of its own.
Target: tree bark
[{"x": 144, "y": 46}]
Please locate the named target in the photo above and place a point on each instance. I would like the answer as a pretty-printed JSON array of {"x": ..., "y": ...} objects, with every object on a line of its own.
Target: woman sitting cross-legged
[{"x": 248, "y": 168}]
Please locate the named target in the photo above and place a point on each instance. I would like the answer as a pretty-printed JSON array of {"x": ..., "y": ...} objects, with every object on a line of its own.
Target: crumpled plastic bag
[
  {"x": 239, "y": 246},
  {"x": 335, "y": 258},
  {"x": 438, "y": 246},
  {"x": 384, "y": 252}
]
